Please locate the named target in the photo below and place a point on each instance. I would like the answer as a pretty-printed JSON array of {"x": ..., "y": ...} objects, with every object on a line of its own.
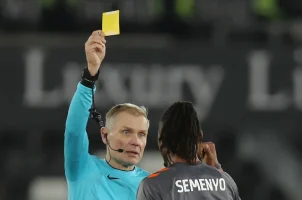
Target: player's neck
[
  {"x": 177, "y": 159},
  {"x": 115, "y": 164}
]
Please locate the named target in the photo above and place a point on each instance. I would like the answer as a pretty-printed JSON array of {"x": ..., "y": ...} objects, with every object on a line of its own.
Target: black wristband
[
  {"x": 87, "y": 79},
  {"x": 87, "y": 83}
]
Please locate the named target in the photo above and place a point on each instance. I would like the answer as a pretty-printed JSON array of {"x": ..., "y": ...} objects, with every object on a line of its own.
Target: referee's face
[{"x": 129, "y": 132}]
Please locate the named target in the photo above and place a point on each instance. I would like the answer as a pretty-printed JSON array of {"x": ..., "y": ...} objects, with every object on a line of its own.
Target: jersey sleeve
[
  {"x": 78, "y": 162},
  {"x": 144, "y": 191},
  {"x": 233, "y": 185}
]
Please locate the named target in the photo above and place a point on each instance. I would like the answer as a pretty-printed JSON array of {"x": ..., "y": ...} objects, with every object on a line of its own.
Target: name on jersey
[{"x": 190, "y": 185}]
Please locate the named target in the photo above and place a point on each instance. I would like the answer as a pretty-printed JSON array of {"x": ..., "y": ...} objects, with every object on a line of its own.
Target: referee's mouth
[{"x": 133, "y": 153}]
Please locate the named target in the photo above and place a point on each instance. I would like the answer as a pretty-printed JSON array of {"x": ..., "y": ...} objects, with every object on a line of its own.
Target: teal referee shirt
[{"x": 88, "y": 177}]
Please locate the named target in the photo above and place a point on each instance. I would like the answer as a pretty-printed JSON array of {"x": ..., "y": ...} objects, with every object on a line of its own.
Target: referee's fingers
[
  {"x": 96, "y": 39},
  {"x": 98, "y": 33}
]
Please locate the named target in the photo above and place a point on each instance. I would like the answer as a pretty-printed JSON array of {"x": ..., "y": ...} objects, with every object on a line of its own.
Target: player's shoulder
[
  {"x": 153, "y": 180},
  {"x": 230, "y": 180},
  {"x": 208, "y": 169},
  {"x": 158, "y": 174}
]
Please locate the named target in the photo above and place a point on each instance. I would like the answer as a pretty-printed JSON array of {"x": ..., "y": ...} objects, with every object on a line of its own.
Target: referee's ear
[{"x": 104, "y": 132}]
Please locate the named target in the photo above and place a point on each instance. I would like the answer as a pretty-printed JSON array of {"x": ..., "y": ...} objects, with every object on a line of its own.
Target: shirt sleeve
[
  {"x": 78, "y": 162},
  {"x": 232, "y": 184},
  {"x": 144, "y": 191}
]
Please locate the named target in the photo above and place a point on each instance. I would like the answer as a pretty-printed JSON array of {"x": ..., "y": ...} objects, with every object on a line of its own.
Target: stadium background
[{"x": 239, "y": 61}]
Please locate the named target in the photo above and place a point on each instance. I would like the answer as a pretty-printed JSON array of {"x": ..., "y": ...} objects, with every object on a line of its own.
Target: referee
[
  {"x": 125, "y": 135},
  {"x": 116, "y": 177},
  {"x": 185, "y": 176}
]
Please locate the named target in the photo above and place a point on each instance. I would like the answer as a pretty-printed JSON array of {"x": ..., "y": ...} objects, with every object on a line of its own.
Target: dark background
[{"x": 238, "y": 61}]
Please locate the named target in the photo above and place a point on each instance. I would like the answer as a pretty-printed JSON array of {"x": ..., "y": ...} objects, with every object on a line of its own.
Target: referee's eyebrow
[
  {"x": 131, "y": 129},
  {"x": 128, "y": 128}
]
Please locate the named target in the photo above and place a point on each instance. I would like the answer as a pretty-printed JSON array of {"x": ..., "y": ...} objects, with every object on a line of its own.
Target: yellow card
[{"x": 111, "y": 23}]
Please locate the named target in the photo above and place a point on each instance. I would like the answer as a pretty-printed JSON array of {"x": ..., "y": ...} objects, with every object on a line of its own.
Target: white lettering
[
  {"x": 259, "y": 97},
  {"x": 209, "y": 185},
  {"x": 194, "y": 183},
  {"x": 222, "y": 184},
  {"x": 151, "y": 85},
  {"x": 204, "y": 86},
  {"x": 147, "y": 86},
  {"x": 215, "y": 182},
  {"x": 114, "y": 84},
  {"x": 200, "y": 185},
  {"x": 186, "y": 185},
  {"x": 178, "y": 184},
  {"x": 34, "y": 95}
]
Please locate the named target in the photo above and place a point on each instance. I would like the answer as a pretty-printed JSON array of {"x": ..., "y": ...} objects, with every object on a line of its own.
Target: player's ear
[
  {"x": 163, "y": 149},
  {"x": 104, "y": 132}
]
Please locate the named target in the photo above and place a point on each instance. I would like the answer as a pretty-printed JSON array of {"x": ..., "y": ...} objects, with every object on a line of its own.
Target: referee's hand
[
  {"x": 95, "y": 49},
  {"x": 207, "y": 153}
]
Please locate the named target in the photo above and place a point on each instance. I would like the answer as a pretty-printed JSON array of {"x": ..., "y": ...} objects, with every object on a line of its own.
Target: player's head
[
  {"x": 179, "y": 132},
  {"x": 126, "y": 128}
]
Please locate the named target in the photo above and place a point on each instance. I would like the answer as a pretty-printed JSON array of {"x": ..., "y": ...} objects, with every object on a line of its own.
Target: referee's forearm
[
  {"x": 76, "y": 142},
  {"x": 78, "y": 113}
]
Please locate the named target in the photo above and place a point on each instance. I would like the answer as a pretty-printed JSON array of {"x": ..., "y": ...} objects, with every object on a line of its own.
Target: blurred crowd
[{"x": 244, "y": 19}]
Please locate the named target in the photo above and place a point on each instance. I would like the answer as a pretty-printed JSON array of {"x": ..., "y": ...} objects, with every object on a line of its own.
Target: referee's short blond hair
[{"x": 125, "y": 107}]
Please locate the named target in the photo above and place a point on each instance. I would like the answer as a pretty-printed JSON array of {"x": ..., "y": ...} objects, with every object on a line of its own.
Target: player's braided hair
[{"x": 181, "y": 131}]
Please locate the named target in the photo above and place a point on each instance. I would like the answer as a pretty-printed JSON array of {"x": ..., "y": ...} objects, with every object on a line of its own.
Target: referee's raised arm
[{"x": 78, "y": 162}]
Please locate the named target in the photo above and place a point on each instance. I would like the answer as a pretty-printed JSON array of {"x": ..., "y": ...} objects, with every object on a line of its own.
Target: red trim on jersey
[{"x": 157, "y": 173}]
